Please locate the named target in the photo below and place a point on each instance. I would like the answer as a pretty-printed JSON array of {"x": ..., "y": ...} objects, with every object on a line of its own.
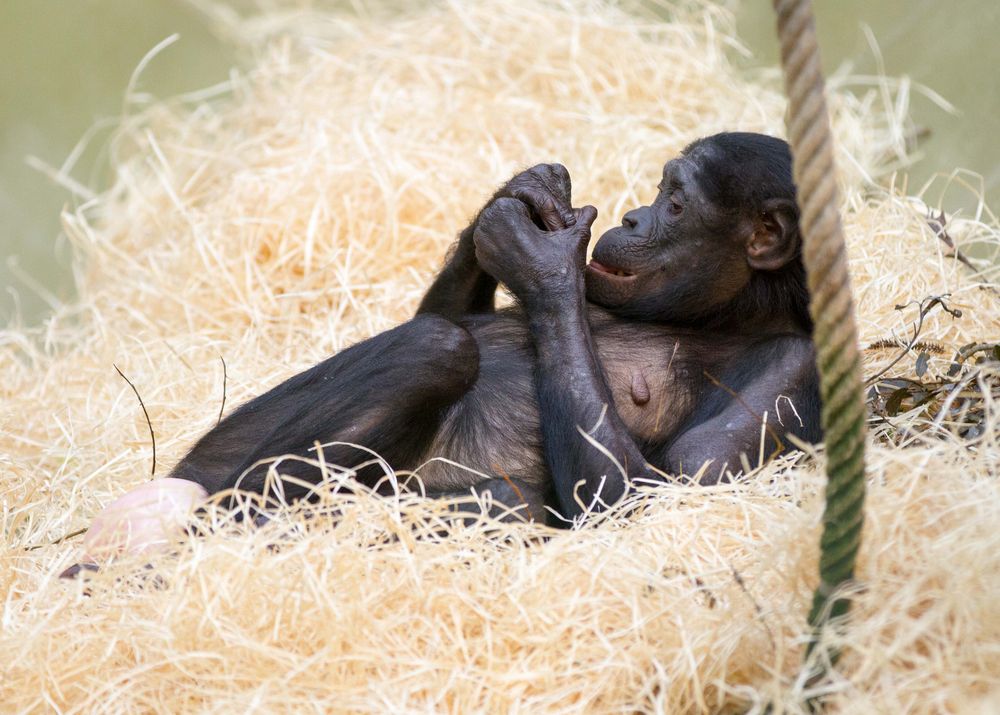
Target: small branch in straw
[{"x": 149, "y": 423}]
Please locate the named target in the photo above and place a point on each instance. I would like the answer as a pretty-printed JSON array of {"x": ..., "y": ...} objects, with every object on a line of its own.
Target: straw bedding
[{"x": 305, "y": 207}]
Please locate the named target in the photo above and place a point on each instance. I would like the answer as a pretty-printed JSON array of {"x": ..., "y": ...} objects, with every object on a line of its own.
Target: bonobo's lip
[
  {"x": 610, "y": 271},
  {"x": 609, "y": 286}
]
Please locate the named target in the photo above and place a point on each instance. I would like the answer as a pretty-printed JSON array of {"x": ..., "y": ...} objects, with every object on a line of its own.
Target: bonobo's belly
[{"x": 493, "y": 430}]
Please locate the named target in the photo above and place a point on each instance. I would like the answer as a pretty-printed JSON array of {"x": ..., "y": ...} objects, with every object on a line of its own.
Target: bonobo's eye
[
  {"x": 676, "y": 202},
  {"x": 674, "y": 196}
]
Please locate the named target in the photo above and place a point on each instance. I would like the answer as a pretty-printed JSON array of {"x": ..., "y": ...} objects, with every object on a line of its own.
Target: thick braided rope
[{"x": 832, "y": 306}]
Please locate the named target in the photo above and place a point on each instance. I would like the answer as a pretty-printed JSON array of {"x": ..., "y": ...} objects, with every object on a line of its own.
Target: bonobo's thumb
[{"x": 585, "y": 218}]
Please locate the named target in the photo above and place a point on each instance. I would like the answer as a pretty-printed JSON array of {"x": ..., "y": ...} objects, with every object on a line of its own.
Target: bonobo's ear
[{"x": 775, "y": 238}]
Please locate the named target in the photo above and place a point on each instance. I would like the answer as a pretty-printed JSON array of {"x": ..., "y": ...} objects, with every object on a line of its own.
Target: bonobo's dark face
[
  {"x": 725, "y": 210},
  {"x": 675, "y": 259}
]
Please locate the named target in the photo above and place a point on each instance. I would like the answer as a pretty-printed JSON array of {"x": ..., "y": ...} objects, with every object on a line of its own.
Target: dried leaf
[
  {"x": 922, "y": 360},
  {"x": 895, "y": 401}
]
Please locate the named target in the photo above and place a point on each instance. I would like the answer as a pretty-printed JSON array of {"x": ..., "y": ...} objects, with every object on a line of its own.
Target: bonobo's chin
[{"x": 608, "y": 289}]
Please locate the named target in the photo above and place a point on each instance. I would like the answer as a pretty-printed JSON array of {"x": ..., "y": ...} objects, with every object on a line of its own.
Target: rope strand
[{"x": 832, "y": 310}]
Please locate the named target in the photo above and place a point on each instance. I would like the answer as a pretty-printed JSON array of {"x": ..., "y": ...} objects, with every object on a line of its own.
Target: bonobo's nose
[{"x": 636, "y": 219}]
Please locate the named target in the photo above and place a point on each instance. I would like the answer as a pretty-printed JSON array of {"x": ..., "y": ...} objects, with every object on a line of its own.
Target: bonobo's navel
[{"x": 640, "y": 390}]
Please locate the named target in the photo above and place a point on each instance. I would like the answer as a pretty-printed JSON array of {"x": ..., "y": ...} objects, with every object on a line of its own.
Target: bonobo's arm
[
  {"x": 545, "y": 272},
  {"x": 777, "y": 378},
  {"x": 463, "y": 287}
]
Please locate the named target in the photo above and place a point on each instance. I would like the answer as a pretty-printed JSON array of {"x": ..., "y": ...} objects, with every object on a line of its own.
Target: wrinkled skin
[
  {"x": 667, "y": 250},
  {"x": 539, "y": 267}
]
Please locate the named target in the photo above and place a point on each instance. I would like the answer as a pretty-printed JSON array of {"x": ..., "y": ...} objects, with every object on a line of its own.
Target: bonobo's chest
[{"x": 655, "y": 373}]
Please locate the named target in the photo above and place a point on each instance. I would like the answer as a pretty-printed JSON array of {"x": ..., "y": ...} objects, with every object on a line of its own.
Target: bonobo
[{"x": 662, "y": 355}]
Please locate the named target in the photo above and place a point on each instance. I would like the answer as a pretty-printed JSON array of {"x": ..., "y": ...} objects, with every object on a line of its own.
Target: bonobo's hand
[
  {"x": 542, "y": 268},
  {"x": 546, "y": 190},
  {"x": 466, "y": 287}
]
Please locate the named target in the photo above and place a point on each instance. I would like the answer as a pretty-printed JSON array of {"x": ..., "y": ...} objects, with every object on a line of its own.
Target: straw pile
[{"x": 305, "y": 208}]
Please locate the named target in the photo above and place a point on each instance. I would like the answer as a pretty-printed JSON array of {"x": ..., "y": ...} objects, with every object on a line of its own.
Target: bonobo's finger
[
  {"x": 562, "y": 189},
  {"x": 555, "y": 177},
  {"x": 505, "y": 206},
  {"x": 567, "y": 215},
  {"x": 585, "y": 218},
  {"x": 544, "y": 207},
  {"x": 562, "y": 175},
  {"x": 506, "y": 212}
]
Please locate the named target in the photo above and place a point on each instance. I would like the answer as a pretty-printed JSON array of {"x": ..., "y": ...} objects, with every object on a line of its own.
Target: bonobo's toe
[{"x": 76, "y": 569}]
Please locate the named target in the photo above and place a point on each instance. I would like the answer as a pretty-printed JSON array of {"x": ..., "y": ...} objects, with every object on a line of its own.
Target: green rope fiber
[{"x": 832, "y": 310}]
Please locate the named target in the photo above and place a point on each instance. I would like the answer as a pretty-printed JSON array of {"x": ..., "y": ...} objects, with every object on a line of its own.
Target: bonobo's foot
[
  {"x": 546, "y": 190},
  {"x": 503, "y": 499},
  {"x": 144, "y": 519}
]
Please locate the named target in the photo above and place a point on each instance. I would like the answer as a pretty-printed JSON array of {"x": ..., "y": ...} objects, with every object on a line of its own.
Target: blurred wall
[
  {"x": 951, "y": 47},
  {"x": 66, "y": 64}
]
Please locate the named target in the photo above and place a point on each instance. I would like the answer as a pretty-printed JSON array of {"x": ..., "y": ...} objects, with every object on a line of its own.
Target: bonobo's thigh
[{"x": 387, "y": 394}]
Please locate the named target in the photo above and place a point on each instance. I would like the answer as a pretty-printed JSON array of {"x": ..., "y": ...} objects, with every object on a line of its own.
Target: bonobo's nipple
[{"x": 640, "y": 390}]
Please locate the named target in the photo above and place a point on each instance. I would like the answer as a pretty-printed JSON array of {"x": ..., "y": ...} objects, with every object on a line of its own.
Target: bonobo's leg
[
  {"x": 502, "y": 499},
  {"x": 386, "y": 394}
]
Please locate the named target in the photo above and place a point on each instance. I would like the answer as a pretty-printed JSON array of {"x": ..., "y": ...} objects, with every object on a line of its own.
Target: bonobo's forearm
[
  {"x": 574, "y": 396},
  {"x": 462, "y": 287},
  {"x": 544, "y": 269}
]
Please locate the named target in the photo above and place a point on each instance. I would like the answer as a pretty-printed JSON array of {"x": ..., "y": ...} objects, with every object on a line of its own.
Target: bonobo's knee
[{"x": 447, "y": 349}]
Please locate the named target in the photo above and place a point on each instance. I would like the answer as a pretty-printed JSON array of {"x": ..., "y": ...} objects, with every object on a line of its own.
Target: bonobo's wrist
[
  {"x": 553, "y": 303},
  {"x": 463, "y": 253}
]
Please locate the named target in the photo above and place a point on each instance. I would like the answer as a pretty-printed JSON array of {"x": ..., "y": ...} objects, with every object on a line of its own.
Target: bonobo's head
[{"x": 719, "y": 245}]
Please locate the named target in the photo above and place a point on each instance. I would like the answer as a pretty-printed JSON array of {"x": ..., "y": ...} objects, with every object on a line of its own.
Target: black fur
[{"x": 674, "y": 366}]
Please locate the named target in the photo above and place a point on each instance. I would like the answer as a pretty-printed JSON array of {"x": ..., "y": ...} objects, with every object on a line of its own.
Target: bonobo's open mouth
[
  {"x": 609, "y": 286},
  {"x": 598, "y": 267}
]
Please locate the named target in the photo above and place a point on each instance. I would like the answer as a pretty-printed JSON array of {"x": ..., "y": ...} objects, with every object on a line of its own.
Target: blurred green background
[{"x": 66, "y": 65}]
